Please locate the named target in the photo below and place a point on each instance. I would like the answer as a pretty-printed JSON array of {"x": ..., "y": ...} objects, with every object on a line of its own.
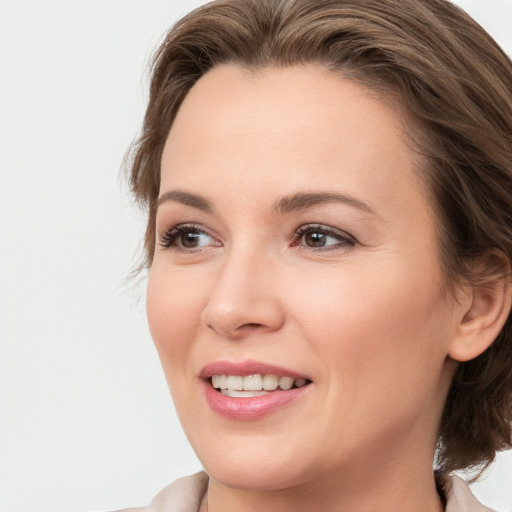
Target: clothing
[
  {"x": 185, "y": 495},
  {"x": 460, "y": 498}
]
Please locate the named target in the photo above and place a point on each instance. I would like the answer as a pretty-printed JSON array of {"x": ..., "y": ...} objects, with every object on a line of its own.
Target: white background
[{"x": 86, "y": 421}]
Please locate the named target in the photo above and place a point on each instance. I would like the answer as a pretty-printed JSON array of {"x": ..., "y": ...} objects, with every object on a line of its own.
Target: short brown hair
[{"x": 455, "y": 84}]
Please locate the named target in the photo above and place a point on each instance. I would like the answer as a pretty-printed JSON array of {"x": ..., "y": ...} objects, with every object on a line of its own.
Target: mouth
[
  {"x": 238, "y": 386},
  {"x": 251, "y": 390}
]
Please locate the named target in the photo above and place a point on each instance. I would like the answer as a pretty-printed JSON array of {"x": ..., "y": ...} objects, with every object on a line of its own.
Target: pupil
[
  {"x": 190, "y": 239},
  {"x": 315, "y": 239}
]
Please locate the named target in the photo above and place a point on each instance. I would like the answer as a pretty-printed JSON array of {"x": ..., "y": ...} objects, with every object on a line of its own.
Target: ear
[{"x": 486, "y": 308}]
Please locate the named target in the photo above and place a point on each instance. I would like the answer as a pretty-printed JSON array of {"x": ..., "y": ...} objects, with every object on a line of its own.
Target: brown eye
[
  {"x": 187, "y": 237},
  {"x": 315, "y": 239},
  {"x": 322, "y": 237},
  {"x": 190, "y": 240}
]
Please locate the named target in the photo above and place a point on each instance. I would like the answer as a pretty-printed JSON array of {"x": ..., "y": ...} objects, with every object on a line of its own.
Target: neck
[{"x": 387, "y": 491}]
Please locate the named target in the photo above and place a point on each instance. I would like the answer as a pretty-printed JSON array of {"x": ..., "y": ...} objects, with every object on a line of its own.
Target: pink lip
[
  {"x": 252, "y": 408},
  {"x": 245, "y": 368}
]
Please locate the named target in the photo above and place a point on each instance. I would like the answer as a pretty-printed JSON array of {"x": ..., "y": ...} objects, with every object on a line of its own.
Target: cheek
[
  {"x": 385, "y": 325},
  {"x": 381, "y": 342},
  {"x": 173, "y": 309}
]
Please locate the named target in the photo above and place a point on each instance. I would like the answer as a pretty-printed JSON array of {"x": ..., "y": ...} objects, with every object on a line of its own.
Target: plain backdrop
[{"x": 86, "y": 421}]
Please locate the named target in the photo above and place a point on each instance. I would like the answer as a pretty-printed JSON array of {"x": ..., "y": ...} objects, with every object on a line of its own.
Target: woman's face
[{"x": 296, "y": 246}]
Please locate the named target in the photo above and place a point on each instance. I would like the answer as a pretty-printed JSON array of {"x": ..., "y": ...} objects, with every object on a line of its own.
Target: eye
[
  {"x": 187, "y": 237},
  {"x": 322, "y": 237}
]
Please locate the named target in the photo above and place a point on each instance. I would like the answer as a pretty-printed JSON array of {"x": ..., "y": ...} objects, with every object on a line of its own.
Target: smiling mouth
[{"x": 238, "y": 386}]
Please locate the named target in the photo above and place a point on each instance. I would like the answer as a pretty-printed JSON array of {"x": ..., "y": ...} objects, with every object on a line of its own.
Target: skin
[{"x": 369, "y": 320}]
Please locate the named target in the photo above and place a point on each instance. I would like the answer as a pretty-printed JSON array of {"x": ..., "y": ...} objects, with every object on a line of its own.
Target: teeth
[
  {"x": 235, "y": 382},
  {"x": 286, "y": 383},
  {"x": 242, "y": 394},
  {"x": 254, "y": 385},
  {"x": 223, "y": 381},
  {"x": 270, "y": 382},
  {"x": 300, "y": 382}
]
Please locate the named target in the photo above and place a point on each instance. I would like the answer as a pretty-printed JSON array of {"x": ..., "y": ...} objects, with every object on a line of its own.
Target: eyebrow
[
  {"x": 304, "y": 200},
  {"x": 187, "y": 199},
  {"x": 295, "y": 202}
]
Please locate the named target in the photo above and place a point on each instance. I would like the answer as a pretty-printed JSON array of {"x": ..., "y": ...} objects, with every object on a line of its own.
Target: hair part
[{"x": 455, "y": 85}]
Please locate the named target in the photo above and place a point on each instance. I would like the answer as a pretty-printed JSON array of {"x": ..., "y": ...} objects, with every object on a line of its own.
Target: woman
[{"x": 329, "y": 240}]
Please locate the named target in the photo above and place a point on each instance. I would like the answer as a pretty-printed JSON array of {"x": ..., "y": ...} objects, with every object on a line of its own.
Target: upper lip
[{"x": 248, "y": 367}]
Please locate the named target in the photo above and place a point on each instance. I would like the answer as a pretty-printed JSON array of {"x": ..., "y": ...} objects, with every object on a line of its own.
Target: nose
[{"x": 244, "y": 298}]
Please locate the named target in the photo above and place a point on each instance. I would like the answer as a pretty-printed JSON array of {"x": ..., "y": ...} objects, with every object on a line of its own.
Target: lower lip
[{"x": 252, "y": 408}]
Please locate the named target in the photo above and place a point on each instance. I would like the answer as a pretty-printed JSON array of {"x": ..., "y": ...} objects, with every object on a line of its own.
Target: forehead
[
  {"x": 304, "y": 126},
  {"x": 300, "y": 101}
]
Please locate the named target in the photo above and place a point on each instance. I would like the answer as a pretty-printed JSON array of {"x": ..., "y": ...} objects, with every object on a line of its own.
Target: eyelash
[{"x": 171, "y": 236}]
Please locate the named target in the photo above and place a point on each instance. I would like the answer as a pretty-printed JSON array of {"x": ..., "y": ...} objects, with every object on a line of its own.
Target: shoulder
[
  {"x": 461, "y": 499},
  {"x": 183, "y": 495}
]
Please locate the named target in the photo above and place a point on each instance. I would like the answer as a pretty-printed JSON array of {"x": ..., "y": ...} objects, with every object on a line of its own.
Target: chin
[
  {"x": 246, "y": 464},
  {"x": 253, "y": 477}
]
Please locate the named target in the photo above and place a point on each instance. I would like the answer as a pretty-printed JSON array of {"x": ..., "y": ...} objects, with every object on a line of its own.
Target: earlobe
[{"x": 489, "y": 307}]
